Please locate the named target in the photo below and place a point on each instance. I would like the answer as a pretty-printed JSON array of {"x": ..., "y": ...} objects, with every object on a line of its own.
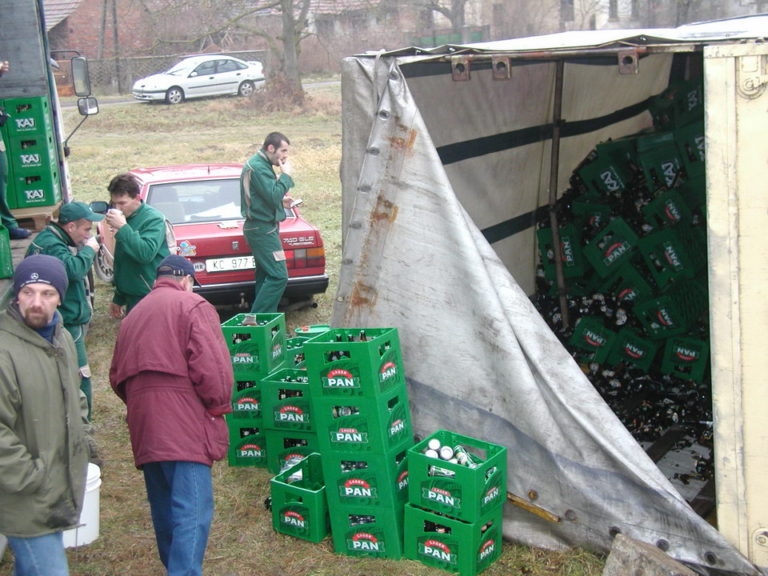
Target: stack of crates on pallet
[
  {"x": 256, "y": 344},
  {"x": 299, "y": 505},
  {"x": 362, "y": 417},
  {"x": 455, "y": 510},
  {"x": 33, "y": 168}
]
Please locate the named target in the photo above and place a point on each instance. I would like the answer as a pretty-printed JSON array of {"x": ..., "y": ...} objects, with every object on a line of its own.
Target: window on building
[{"x": 567, "y": 12}]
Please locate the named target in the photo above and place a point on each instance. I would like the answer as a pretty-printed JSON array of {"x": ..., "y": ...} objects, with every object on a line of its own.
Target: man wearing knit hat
[
  {"x": 43, "y": 423},
  {"x": 70, "y": 240}
]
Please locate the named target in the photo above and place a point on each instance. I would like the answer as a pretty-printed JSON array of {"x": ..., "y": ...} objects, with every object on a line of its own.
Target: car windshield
[
  {"x": 197, "y": 200},
  {"x": 179, "y": 70}
]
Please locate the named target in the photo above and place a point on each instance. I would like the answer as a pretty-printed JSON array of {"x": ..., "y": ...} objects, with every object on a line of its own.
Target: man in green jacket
[
  {"x": 263, "y": 201},
  {"x": 140, "y": 243},
  {"x": 43, "y": 425},
  {"x": 70, "y": 240}
]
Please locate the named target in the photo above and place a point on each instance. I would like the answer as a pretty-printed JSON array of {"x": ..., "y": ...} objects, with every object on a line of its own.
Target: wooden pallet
[{"x": 35, "y": 218}]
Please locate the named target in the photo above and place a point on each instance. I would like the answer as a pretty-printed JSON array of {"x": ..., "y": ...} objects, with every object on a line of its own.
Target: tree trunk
[{"x": 291, "y": 38}]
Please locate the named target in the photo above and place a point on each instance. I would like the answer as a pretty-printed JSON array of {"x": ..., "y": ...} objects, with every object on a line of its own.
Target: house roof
[{"x": 58, "y": 10}]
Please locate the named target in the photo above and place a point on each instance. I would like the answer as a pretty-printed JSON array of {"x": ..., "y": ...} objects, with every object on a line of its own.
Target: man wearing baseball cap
[
  {"x": 70, "y": 240},
  {"x": 172, "y": 369},
  {"x": 44, "y": 445}
]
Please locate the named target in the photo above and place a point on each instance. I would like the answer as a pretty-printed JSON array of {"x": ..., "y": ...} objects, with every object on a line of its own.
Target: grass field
[{"x": 242, "y": 541}]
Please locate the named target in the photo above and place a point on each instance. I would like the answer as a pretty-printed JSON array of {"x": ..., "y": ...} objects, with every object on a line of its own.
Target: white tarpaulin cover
[{"x": 441, "y": 181}]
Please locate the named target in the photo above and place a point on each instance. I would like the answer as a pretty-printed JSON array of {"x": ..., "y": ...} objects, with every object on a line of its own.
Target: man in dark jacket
[
  {"x": 262, "y": 202},
  {"x": 172, "y": 368},
  {"x": 70, "y": 241},
  {"x": 43, "y": 425},
  {"x": 140, "y": 243}
]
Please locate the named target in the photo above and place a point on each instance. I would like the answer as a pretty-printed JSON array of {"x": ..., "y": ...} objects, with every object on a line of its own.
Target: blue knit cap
[{"x": 41, "y": 269}]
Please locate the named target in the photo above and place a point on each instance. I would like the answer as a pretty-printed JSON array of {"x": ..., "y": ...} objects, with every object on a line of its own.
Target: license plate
[{"x": 229, "y": 264}]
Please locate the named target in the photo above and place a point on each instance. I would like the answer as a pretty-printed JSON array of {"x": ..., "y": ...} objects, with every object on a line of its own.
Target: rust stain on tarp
[
  {"x": 385, "y": 211},
  {"x": 362, "y": 295},
  {"x": 404, "y": 143}
]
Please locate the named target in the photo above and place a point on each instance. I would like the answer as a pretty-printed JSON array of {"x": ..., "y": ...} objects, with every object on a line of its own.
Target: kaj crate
[
  {"x": 35, "y": 188},
  {"x": 366, "y": 480},
  {"x": 246, "y": 403},
  {"x": 611, "y": 247},
  {"x": 256, "y": 343},
  {"x": 354, "y": 362},
  {"x": 680, "y": 104},
  {"x": 6, "y": 256},
  {"x": 285, "y": 400},
  {"x": 373, "y": 425},
  {"x": 608, "y": 173},
  {"x": 247, "y": 446},
  {"x": 691, "y": 144},
  {"x": 686, "y": 358},
  {"x": 299, "y": 505},
  {"x": 593, "y": 338},
  {"x": 574, "y": 264},
  {"x": 285, "y": 448},
  {"x": 460, "y": 491},
  {"x": 667, "y": 209},
  {"x": 660, "y": 160},
  {"x": 672, "y": 255},
  {"x": 631, "y": 348},
  {"x": 464, "y": 548},
  {"x": 628, "y": 284},
  {"x": 364, "y": 532},
  {"x": 27, "y": 116},
  {"x": 31, "y": 153}
]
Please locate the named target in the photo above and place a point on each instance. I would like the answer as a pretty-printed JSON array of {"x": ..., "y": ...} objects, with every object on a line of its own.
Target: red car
[{"x": 202, "y": 204}]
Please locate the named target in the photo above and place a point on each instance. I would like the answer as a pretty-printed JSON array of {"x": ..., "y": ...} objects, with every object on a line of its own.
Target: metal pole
[{"x": 557, "y": 110}]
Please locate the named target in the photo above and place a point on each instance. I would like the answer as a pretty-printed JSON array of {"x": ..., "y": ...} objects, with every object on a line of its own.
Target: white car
[{"x": 200, "y": 76}]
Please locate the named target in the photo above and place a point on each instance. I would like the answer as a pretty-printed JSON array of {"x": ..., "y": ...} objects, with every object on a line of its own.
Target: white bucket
[{"x": 87, "y": 529}]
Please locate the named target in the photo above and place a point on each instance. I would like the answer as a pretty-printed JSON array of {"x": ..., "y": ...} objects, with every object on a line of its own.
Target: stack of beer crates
[
  {"x": 362, "y": 418},
  {"x": 33, "y": 167},
  {"x": 257, "y": 347},
  {"x": 455, "y": 509}
]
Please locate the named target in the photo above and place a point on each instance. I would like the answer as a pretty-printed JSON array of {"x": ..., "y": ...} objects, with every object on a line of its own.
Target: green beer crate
[
  {"x": 299, "y": 505},
  {"x": 6, "y": 256},
  {"x": 611, "y": 248},
  {"x": 247, "y": 446},
  {"x": 593, "y": 338},
  {"x": 286, "y": 447},
  {"x": 658, "y": 156},
  {"x": 686, "y": 358},
  {"x": 592, "y": 214},
  {"x": 247, "y": 407},
  {"x": 691, "y": 144},
  {"x": 574, "y": 264},
  {"x": 460, "y": 491},
  {"x": 672, "y": 256},
  {"x": 285, "y": 400},
  {"x": 680, "y": 104},
  {"x": 606, "y": 174},
  {"x": 631, "y": 348},
  {"x": 41, "y": 187},
  {"x": 294, "y": 351},
  {"x": 667, "y": 209},
  {"x": 31, "y": 153},
  {"x": 374, "y": 425},
  {"x": 27, "y": 116},
  {"x": 354, "y": 362},
  {"x": 628, "y": 284},
  {"x": 256, "y": 343},
  {"x": 371, "y": 533},
  {"x": 366, "y": 480},
  {"x": 661, "y": 317},
  {"x": 464, "y": 548}
]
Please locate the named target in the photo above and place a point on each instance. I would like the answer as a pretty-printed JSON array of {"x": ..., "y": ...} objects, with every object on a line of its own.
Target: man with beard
[{"x": 43, "y": 424}]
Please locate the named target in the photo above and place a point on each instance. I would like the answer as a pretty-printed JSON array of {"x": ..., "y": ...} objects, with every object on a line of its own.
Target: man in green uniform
[
  {"x": 140, "y": 243},
  {"x": 263, "y": 202},
  {"x": 70, "y": 241}
]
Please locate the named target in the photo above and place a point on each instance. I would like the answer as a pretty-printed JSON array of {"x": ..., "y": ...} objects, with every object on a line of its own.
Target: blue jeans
[
  {"x": 180, "y": 497},
  {"x": 39, "y": 555}
]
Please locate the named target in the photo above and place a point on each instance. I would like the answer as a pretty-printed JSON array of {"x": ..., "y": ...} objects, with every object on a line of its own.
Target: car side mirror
[{"x": 99, "y": 206}]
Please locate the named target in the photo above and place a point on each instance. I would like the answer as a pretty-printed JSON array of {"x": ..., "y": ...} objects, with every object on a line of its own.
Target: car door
[
  {"x": 229, "y": 74},
  {"x": 202, "y": 80}
]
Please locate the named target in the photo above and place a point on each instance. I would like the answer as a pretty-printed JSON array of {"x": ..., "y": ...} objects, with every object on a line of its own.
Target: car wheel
[
  {"x": 103, "y": 265},
  {"x": 245, "y": 89},
  {"x": 174, "y": 95}
]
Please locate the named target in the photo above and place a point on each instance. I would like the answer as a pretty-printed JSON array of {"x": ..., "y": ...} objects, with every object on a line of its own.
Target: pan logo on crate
[
  {"x": 402, "y": 481},
  {"x": 614, "y": 252},
  {"x": 672, "y": 257},
  {"x": 244, "y": 359},
  {"x": 594, "y": 339},
  {"x": 251, "y": 451},
  {"x": 34, "y": 195},
  {"x": 247, "y": 404},
  {"x": 291, "y": 414},
  {"x": 340, "y": 378},
  {"x": 487, "y": 550},
  {"x": 491, "y": 496},
  {"x": 437, "y": 550},
  {"x": 687, "y": 354},
  {"x": 396, "y": 428},
  {"x": 627, "y": 294},
  {"x": 365, "y": 542},
  {"x": 349, "y": 436},
  {"x": 567, "y": 253},
  {"x": 357, "y": 488},
  {"x": 633, "y": 351},
  {"x": 441, "y": 496},
  {"x": 664, "y": 317},
  {"x": 277, "y": 350},
  {"x": 293, "y": 519},
  {"x": 387, "y": 372},
  {"x": 25, "y": 124},
  {"x": 672, "y": 212}
]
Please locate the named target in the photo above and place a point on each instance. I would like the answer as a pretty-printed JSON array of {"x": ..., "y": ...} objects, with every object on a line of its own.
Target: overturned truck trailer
[{"x": 449, "y": 154}]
